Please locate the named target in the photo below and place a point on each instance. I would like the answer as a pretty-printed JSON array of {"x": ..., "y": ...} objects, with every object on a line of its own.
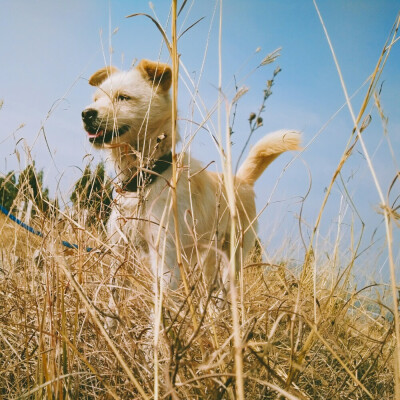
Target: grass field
[{"x": 329, "y": 342}]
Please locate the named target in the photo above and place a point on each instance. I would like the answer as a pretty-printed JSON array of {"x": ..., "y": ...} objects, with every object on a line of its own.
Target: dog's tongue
[{"x": 95, "y": 135}]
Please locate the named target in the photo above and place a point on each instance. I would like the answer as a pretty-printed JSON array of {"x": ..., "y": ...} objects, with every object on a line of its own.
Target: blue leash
[{"x": 34, "y": 231}]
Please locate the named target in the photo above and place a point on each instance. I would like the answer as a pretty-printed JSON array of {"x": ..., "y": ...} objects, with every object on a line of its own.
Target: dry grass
[
  {"x": 51, "y": 344},
  {"x": 280, "y": 331}
]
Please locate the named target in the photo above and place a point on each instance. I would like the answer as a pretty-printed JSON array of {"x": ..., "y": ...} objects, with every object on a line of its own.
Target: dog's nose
[{"x": 89, "y": 115}]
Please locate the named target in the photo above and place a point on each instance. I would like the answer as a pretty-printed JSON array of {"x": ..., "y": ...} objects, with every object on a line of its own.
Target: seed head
[{"x": 277, "y": 70}]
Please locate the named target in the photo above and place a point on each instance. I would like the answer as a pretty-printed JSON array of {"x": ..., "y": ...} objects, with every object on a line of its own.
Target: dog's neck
[{"x": 130, "y": 158}]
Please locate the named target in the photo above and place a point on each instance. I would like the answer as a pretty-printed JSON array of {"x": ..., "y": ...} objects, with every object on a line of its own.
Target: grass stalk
[
  {"x": 229, "y": 185},
  {"x": 175, "y": 79},
  {"x": 158, "y": 304}
]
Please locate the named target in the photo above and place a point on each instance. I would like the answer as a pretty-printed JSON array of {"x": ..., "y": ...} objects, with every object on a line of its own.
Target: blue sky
[{"x": 50, "y": 48}]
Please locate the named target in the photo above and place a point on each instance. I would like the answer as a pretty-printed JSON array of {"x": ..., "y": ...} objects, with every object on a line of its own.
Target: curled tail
[{"x": 265, "y": 151}]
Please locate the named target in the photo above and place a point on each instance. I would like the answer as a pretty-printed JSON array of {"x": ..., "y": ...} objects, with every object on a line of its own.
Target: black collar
[{"x": 159, "y": 166}]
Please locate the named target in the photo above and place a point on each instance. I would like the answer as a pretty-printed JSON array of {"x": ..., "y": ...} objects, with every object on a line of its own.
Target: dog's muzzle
[
  {"x": 89, "y": 116},
  {"x": 95, "y": 131}
]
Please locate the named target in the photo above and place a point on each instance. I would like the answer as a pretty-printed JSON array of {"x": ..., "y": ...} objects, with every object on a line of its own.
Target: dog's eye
[{"x": 123, "y": 97}]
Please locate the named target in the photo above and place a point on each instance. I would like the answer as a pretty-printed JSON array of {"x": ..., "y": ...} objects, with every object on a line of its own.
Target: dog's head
[{"x": 127, "y": 104}]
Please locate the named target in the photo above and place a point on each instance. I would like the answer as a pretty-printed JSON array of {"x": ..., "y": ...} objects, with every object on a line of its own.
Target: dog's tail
[{"x": 265, "y": 151}]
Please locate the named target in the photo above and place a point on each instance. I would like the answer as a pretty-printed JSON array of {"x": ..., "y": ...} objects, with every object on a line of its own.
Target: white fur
[{"x": 145, "y": 219}]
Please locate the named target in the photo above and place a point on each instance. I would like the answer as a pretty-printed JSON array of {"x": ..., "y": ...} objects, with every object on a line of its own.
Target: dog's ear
[
  {"x": 157, "y": 73},
  {"x": 101, "y": 75}
]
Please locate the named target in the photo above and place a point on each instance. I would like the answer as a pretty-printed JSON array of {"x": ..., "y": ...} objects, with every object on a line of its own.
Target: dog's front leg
[
  {"x": 164, "y": 263},
  {"x": 120, "y": 245},
  {"x": 112, "y": 314}
]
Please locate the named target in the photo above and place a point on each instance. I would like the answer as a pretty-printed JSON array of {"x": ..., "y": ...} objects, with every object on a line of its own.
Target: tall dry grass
[
  {"x": 281, "y": 330},
  {"x": 53, "y": 341}
]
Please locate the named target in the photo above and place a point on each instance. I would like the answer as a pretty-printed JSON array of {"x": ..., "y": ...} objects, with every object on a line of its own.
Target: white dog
[{"x": 131, "y": 117}]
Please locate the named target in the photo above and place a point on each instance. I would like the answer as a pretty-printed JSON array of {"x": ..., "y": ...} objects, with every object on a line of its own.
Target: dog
[{"x": 131, "y": 118}]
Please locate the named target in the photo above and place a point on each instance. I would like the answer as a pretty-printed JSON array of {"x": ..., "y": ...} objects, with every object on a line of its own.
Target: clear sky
[{"x": 49, "y": 48}]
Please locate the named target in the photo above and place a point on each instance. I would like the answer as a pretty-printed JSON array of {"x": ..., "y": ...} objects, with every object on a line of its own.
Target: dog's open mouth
[{"x": 103, "y": 136}]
